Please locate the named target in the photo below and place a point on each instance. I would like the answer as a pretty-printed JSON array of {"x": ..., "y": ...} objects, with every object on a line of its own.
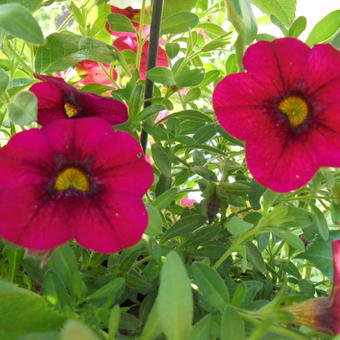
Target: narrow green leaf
[
  {"x": 297, "y": 27},
  {"x": 211, "y": 285},
  {"x": 4, "y": 80},
  {"x": 183, "y": 226},
  {"x": 165, "y": 199},
  {"x": 155, "y": 221},
  {"x": 153, "y": 327},
  {"x": 232, "y": 326},
  {"x": 114, "y": 321},
  {"x": 201, "y": 329},
  {"x": 179, "y": 23},
  {"x": 19, "y": 22},
  {"x": 23, "y": 108},
  {"x": 204, "y": 172},
  {"x": 290, "y": 238},
  {"x": 321, "y": 223},
  {"x": 161, "y": 159},
  {"x": 325, "y": 28},
  {"x": 120, "y": 23},
  {"x": 175, "y": 303},
  {"x": 110, "y": 290}
]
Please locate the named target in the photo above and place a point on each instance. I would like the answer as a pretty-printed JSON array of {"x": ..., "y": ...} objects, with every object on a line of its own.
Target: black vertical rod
[{"x": 157, "y": 11}]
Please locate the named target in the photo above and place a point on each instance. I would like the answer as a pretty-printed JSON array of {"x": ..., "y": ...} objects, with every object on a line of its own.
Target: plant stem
[{"x": 152, "y": 57}]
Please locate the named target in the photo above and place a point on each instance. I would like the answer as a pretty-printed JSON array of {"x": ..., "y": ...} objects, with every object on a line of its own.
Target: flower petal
[
  {"x": 242, "y": 105},
  {"x": 322, "y": 68},
  {"x": 114, "y": 111},
  {"x": 280, "y": 60},
  {"x": 281, "y": 161},
  {"x": 117, "y": 222}
]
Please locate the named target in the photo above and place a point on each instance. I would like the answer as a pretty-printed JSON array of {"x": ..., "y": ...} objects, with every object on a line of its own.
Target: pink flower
[
  {"x": 94, "y": 73},
  {"x": 57, "y": 99},
  {"x": 161, "y": 115},
  {"x": 322, "y": 314},
  {"x": 286, "y": 107},
  {"x": 128, "y": 41},
  {"x": 73, "y": 179},
  {"x": 187, "y": 202}
]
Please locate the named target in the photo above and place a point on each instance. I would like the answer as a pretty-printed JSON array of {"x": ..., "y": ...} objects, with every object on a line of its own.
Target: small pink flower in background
[
  {"x": 322, "y": 314},
  {"x": 128, "y": 41},
  {"x": 73, "y": 179},
  {"x": 161, "y": 115},
  {"x": 286, "y": 107},
  {"x": 94, "y": 73},
  {"x": 57, "y": 99},
  {"x": 187, "y": 202}
]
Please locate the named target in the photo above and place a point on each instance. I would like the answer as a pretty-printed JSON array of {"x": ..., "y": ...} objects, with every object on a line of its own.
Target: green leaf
[
  {"x": 297, "y": 27},
  {"x": 284, "y": 10},
  {"x": 150, "y": 110},
  {"x": 319, "y": 253},
  {"x": 204, "y": 172},
  {"x": 114, "y": 321},
  {"x": 19, "y": 22},
  {"x": 161, "y": 159},
  {"x": 24, "y": 312},
  {"x": 155, "y": 221},
  {"x": 189, "y": 77},
  {"x": 161, "y": 75},
  {"x": 290, "y": 238},
  {"x": 321, "y": 223},
  {"x": 23, "y": 108},
  {"x": 76, "y": 330},
  {"x": 179, "y": 23},
  {"x": 183, "y": 226},
  {"x": 172, "y": 49},
  {"x": 237, "y": 226},
  {"x": 175, "y": 303},
  {"x": 120, "y": 23},
  {"x": 325, "y": 28},
  {"x": 165, "y": 199},
  {"x": 232, "y": 326},
  {"x": 110, "y": 290},
  {"x": 211, "y": 285},
  {"x": 136, "y": 101},
  {"x": 152, "y": 328},
  {"x": 4, "y": 80},
  {"x": 201, "y": 329},
  {"x": 174, "y": 6},
  {"x": 65, "y": 49},
  {"x": 31, "y": 5}
]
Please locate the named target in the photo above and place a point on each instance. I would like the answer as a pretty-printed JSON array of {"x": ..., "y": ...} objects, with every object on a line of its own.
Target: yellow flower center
[
  {"x": 71, "y": 110},
  {"x": 295, "y": 108},
  {"x": 72, "y": 178}
]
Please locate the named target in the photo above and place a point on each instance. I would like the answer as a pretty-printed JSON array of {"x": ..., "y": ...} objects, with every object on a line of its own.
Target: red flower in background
[
  {"x": 57, "y": 99},
  {"x": 286, "y": 107},
  {"x": 73, "y": 179},
  {"x": 322, "y": 314},
  {"x": 128, "y": 41},
  {"x": 94, "y": 73}
]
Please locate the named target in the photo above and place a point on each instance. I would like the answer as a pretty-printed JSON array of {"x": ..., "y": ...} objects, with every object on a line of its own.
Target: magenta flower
[
  {"x": 286, "y": 107},
  {"x": 57, "y": 99},
  {"x": 73, "y": 179},
  {"x": 322, "y": 314}
]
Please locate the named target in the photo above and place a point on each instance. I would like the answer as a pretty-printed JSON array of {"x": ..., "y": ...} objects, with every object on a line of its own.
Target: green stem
[{"x": 140, "y": 36}]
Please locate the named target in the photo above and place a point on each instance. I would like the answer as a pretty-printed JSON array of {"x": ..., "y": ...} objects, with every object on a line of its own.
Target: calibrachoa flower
[
  {"x": 322, "y": 314},
  {"x": 57, "y": 99},
  {"x": 73, "y": 179},
  {"x": 94, "y": 73},
  {"x": 286, "y": 107},
  {"x": 187, "y": 202}
]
